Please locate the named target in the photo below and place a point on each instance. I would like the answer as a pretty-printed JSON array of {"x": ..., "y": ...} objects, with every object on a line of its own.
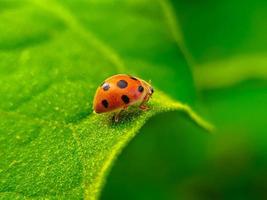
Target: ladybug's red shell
[{"x": 118, "y": 92}]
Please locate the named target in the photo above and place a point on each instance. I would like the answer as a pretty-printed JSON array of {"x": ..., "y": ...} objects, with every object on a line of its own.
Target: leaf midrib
[{"x": 71, "y": 21}]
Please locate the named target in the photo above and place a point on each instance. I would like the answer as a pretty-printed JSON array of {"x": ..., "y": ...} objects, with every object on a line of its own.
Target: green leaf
[
  {"x": 157, "y": 163},
  {"x": 53, "y": 57},
  {"x": 228, "y": 72},
  {"x": 225, "y": 42},
  {"x": 193, "y": 165}
]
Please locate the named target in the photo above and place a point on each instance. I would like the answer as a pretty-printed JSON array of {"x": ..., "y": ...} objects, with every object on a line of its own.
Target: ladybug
[{"x": 120, "y": 91}]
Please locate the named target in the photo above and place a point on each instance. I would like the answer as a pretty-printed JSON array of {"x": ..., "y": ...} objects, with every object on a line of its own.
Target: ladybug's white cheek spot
[{"x": 105, "y": 86}]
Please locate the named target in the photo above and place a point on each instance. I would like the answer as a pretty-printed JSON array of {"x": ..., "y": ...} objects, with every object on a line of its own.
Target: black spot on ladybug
[
  {"x": 122, "y": 84},
  {"x": 131, "y": 77},
  {"x": 125, "y": 99},
  {"x": 105, "y": 86},
  {"x": 141, "y": 88},
  {"x": 152, "y": 90},
  {"x": 105, "y": 103}
]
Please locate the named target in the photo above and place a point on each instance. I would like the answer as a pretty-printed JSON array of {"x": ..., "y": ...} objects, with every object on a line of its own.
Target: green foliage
[
  {"x": 53, "y": 57},
  {"x": 226, "y": 43},
  {"x": 216, "y": 30},
  {"x": 55, "y": 53}
]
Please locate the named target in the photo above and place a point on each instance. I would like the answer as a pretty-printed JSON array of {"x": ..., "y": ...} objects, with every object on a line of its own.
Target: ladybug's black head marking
[
  {"x": 132, "y": 77},
  {"x": 151, "y": 90}
]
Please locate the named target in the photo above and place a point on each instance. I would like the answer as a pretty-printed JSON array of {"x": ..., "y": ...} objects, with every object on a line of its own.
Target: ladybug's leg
[
  {"x": 142, "y": 106},
  {"x": 117, "y": 114}
]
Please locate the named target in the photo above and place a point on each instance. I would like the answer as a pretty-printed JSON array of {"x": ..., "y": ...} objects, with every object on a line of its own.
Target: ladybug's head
[{"x": 149, "y": 89}]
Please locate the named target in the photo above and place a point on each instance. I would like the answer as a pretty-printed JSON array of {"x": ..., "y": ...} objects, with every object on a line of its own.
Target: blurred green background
[{"x": 225, "y": 44}]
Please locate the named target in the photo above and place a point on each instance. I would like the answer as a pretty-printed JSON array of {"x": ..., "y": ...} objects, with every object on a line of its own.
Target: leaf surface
[{"x": 53, "y": 57}]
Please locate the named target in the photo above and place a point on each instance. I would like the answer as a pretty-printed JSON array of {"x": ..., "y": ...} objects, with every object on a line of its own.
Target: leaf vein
[
  {"x": 71, "y": 21},
  {"x": 175, "y": 30}
]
